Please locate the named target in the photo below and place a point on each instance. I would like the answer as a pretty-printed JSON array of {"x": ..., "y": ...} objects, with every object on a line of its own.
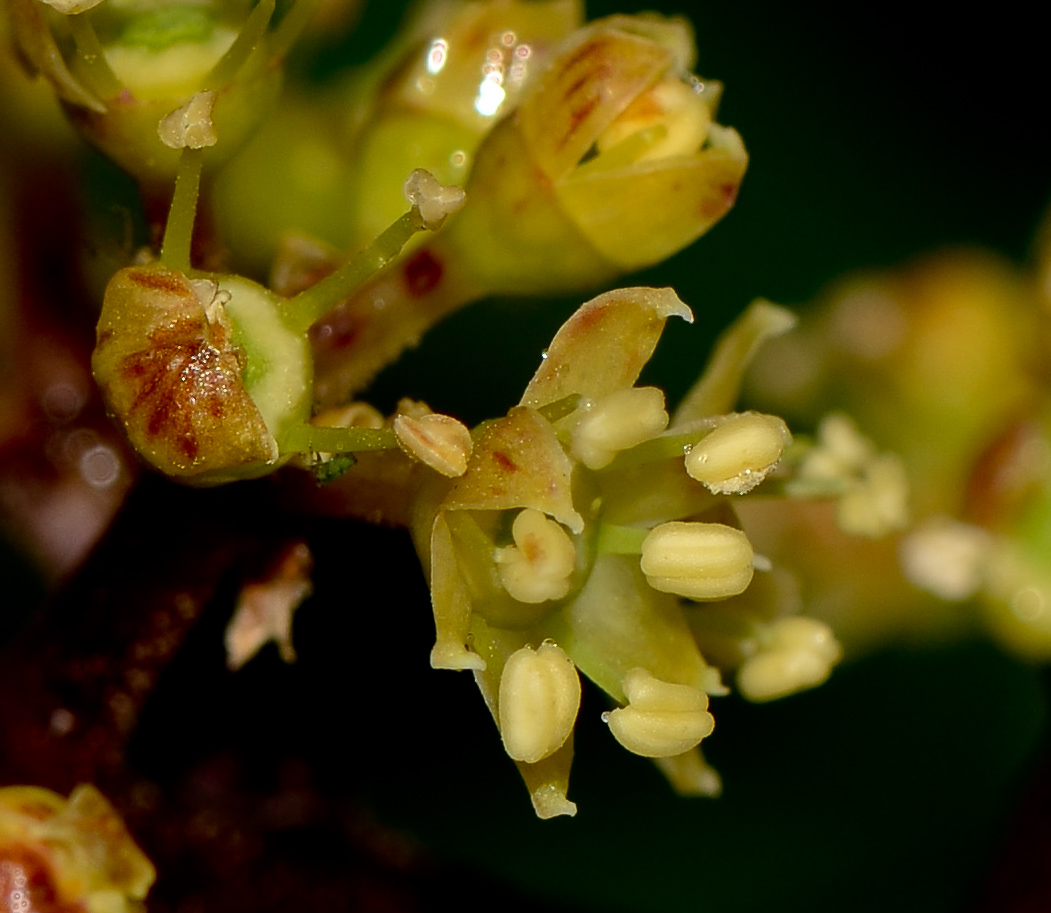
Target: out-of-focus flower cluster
[{"x": 945, "y": 362}]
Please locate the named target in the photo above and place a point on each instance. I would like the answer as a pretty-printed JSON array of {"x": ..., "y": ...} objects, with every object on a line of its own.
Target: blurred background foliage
[{"x": 876, "y": 133}]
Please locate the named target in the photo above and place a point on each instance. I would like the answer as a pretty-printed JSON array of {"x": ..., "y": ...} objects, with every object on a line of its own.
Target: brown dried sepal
[{"x": 171, "y": 374}]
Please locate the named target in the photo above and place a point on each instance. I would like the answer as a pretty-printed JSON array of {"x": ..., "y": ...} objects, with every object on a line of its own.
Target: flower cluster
[{"x": 592, "y": 531}]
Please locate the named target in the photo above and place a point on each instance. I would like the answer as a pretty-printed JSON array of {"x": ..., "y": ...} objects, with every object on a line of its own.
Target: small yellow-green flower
[{"x": 577, "y": 539}]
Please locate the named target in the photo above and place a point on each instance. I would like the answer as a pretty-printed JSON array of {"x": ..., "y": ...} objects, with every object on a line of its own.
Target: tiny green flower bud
[
  {"x": 538, "y": 702},
  {"x": 538, "y": 566},
  {"x": 697, "y": 560},
  {"x": 662, "y": 719},
  {"x": 738, "y": 453},
  {"x": 800, "y": 654},
  {"x": 439, "y": 441},
  {"x": 623, "y": 419}
]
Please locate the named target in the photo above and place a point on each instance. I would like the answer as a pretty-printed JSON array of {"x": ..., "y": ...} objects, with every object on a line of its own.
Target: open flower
[{"x": 577, "y": 537}]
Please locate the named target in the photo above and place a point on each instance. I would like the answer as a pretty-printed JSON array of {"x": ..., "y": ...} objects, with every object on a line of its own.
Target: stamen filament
[
  {"x": 670, "y": 445},
  {"x": 620, "y": 540}
]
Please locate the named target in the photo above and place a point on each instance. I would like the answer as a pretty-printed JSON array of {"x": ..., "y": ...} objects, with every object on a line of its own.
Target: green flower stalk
[
  {"x": 576, "y": 539},
  {"x": 119, "y": 67},
  {"x": 611, "y": 162}
]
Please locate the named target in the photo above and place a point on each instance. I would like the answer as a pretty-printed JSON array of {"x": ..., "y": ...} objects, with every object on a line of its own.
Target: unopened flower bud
[
  {"x": 538, "y": 566},
  {"x": 616, "y": 422},
  {"x": 538, "y": 702},
  {"x": 800, "y": 654},
  {"x": 697, "y": 560},
  {"x": 738, "y": 453},
  {"x": 662, "y": 719},
  {"x": 437, "y": 440}
]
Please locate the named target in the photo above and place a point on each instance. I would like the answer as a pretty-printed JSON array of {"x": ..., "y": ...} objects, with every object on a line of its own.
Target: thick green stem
[
  {"x": 386, "y": 316},
  {"x": 178, "y": 233}
]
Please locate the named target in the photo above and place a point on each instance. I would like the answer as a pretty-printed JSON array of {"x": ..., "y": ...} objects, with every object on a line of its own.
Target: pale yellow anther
[
  {"x": 433, "y": 200},
  {"x": 798, "y": 653},
  {"x": 662, "y": 719},
  {"x": 437, "y": 440},
  {"x": 538, "y": 702},
  {"x": 190, "y": 127},
  {"x": 738, "y": 453},
  {"x": 616, "y": 422},
  {"x": 697, "y": 560},
  {"x": 538, "y": 566}
]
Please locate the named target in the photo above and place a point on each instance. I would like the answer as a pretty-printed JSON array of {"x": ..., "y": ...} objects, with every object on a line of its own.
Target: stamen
[
  {"x": 697, "y": 560},
  {"x": 662, "y": 719},
  {"x": 538, "y": 702},
  {"x": 738, "y": 453},
  {"x": 538, "y": 566}
]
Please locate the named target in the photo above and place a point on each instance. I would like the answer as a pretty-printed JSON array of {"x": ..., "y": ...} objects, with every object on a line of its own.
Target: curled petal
[
  {"x": 594, "y": 79},
  {"x": 518, "y": 462},
  {"x": 616, "y": 209},
  {"x": 603, "y": 347}
]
